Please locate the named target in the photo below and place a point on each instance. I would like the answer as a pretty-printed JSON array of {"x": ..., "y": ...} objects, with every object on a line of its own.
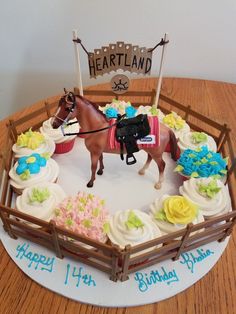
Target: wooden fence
[{"x": 117, "y": 263}]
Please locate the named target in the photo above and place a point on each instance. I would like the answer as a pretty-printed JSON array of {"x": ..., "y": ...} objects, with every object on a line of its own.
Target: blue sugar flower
[
  {"x": 30, "y": 165},
  {"x": 111, "y": 113},
  {"x": 130, "y": 111},
  {"x": 201, "y": 162}
]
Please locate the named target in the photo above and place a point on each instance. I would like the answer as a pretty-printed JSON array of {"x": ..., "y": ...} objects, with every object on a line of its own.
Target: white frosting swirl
[
  {"x": 185, "y": 142},
  {"x": 147, "y": 110},
  {"x": 56, "y": 134},
  {"x": 179, "y": 133},
  {"x": 47, "y": 147},
  {"x": 121, "y": 235},
  {"x": 44, "y": 210},
  {"x": 165, "y": 226},
  {"x": 210, "y": 207},
  {"x": 49, "y": 173}
]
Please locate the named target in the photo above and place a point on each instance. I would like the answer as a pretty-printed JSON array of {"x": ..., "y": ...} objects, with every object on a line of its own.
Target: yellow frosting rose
[{"x": 179, "y": 210}]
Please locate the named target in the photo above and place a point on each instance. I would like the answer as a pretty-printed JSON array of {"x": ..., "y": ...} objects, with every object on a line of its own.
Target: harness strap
[{"x": 92, "y": 131}]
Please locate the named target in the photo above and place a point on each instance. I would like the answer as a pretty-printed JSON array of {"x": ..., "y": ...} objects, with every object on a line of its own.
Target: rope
[
  {"x": 161, "y": 43},
  {"x": 79, "y": 41}
]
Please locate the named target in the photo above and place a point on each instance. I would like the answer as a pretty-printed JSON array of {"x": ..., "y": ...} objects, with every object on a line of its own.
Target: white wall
[{"x": 37, "y": 56}]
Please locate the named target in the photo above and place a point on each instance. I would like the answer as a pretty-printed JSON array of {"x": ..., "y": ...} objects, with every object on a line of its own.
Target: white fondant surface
[{"x": 122, "y": 188}]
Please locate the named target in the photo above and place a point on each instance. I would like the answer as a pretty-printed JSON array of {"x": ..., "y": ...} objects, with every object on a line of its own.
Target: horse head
[{"x": 66, "y": 110}]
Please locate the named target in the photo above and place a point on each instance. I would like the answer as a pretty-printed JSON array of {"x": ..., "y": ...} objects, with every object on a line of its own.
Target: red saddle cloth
[{"x": 151, "y": 140}]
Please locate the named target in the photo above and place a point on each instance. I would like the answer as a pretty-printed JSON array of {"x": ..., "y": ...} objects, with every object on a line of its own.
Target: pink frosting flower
[{"x": 84, "y": 214}]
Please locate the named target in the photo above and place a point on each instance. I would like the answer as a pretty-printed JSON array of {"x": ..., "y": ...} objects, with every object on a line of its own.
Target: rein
[
  {"x": 92, "y": 131},
  {"x": 71, "y": 96}
]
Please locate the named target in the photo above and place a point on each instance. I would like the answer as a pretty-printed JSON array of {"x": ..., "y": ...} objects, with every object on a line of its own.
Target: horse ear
[
  {"x": 65, "y": 91},
  {"x": 71, "y": 96}
]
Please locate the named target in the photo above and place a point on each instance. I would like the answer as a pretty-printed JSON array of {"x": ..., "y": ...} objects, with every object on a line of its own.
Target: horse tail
[{"x": 173, "y": 145}]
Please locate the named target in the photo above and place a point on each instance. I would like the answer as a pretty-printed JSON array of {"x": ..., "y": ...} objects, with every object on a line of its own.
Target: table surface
[{"x": 215, "y": 293}]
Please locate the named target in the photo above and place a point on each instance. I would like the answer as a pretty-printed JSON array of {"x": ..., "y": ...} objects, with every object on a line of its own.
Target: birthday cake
[{"x": 162, "y": 221}]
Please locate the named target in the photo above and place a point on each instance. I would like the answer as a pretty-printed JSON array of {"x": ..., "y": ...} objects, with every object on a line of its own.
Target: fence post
[
  {"x": 228, "y": 230},
  {"x": 115, "y": 269},
  {"x": 125, "y": 263},
  {"x": 55, "y": 239},
  {"x": 187, "y": 113},
  {"x": 184, "y": 239},
  {"x": 6, "y": 225}
]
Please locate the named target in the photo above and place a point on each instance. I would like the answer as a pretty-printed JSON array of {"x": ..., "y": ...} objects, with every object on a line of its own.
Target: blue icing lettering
[
  {"x": 190, "y": 259},
  {"x": 37, "y": 261},
  {"x": 81, "y": 276},
  {"x": 145, "y": 280}
]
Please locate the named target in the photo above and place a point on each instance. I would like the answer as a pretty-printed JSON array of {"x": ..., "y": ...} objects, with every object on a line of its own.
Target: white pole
[
  {"x": 161, "y": 71},
  {"x": 77, "y": 58}
]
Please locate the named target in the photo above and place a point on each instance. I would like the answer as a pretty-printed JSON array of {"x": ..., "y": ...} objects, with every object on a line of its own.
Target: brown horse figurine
[{"x": 91, "y": 118}]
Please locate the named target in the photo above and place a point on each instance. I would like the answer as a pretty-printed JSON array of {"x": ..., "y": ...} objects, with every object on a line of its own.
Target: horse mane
[{"x": 93, "y": 104}]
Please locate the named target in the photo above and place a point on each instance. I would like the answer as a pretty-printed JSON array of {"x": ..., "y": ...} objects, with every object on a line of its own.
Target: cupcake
[
  {"x": 173, "y": 213},
  {"x": 84, "y": 214},
  {"x": 151, "y": 111},
  {"x": 132, "y": 227},
  {"x": 118, "y": 107},
  {"x": 201, "y": 162},
  {"x": 210, "y": 195},
  {"x": 63, "y": 143},
  {"x": 33, "y": 142},
  {"x": 40, "y": 200},
  {"x": 193, "y": 140},
  {"x": 33, "y": 169},
  {"x": 176, "y": 124}
]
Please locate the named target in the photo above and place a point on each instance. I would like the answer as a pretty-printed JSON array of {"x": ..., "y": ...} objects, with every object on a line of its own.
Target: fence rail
[{"x": 116, "y": 262}]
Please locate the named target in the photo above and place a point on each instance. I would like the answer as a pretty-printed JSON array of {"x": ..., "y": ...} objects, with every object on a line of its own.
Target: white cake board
[{"x": 122, "y": 188}]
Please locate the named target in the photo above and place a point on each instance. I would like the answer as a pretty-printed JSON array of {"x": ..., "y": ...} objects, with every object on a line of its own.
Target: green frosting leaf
[
  {"x": 133, "y": 221},
  {"x": 209, "y": 190},
  {"x": 106, "y": 227},
  {"x": 69, "y": 222},
  {"x": 96, "y": 212},
  {"x": 45, "y": 155},
  {"x": 213, "y": 163},
  {"x": 39, "y": 195},
  {"x": 204, "y": 160},
  {"x": 25, "y": 175},
  {"x": 179, "y": 168},
  {"x": 223, "y": 171},
  {"x": 57, "y": 212},
  {"x": 194, "y": 174},
  {"x": 198, "y": 137},
  {"x": 154, "y": 111},
  {"x": 87, "y": 223},
  {"x": 160, "y": 215}
]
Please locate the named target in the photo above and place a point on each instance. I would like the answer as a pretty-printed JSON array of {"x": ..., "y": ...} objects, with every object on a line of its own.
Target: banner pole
[
  {"x": 158, "y": 90},
  {"x": 77, "y": 58}
]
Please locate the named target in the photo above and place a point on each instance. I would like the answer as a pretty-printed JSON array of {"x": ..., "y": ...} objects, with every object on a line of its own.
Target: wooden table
[{"x": 215, "y": 293}]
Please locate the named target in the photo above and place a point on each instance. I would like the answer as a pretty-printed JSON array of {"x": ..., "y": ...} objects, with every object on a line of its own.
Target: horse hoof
[
  {"x": 100, "y": 172},
  {"x": 141, "y": 172},
  {"x": 90, "y": 185},
  {"x": 157, "y": 186}
]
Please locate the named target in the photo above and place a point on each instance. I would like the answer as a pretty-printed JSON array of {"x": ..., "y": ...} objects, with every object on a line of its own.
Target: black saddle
[{"x": 128, "y": 131}]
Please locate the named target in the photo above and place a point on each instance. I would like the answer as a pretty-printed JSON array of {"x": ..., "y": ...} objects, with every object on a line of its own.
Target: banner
[{"x": 122, "y": 56}]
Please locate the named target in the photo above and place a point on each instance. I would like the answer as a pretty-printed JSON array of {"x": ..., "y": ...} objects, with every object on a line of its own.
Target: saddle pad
[{"x": 154, "y": 134}]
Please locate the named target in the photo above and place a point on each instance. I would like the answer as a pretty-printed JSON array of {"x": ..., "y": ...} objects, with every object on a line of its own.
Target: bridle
[{"x": 70, "y": 99}]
